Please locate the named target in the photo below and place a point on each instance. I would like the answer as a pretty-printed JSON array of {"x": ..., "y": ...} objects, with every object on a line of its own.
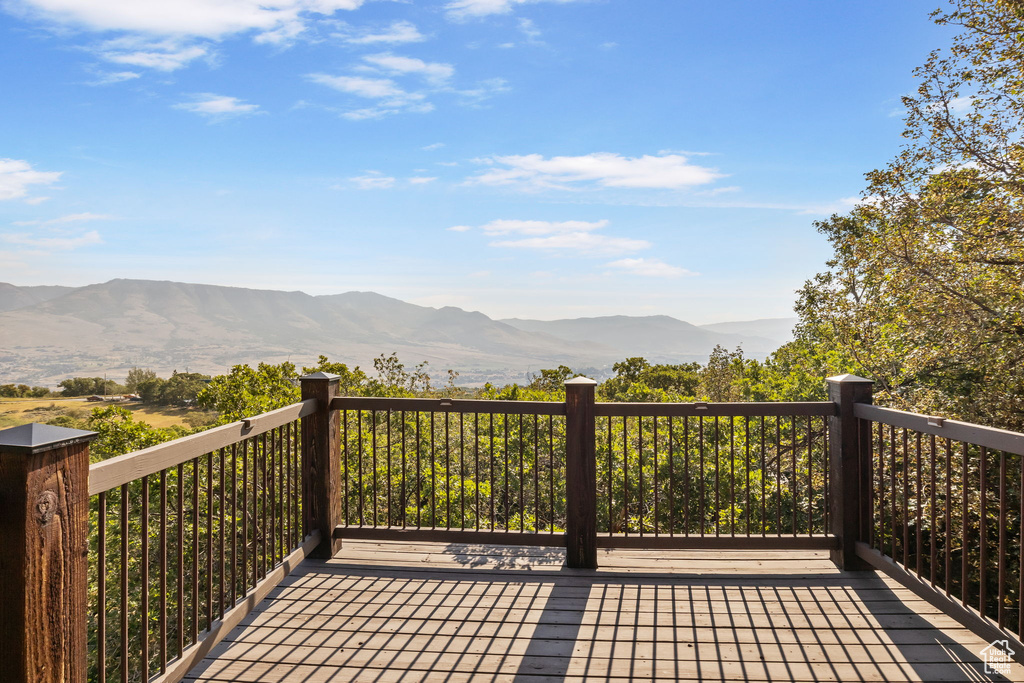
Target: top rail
[
  {"x": 749, "y": 409},
  {"x": 126, "y": 468},
  {"x": 451, "y": 405},
  {"x": 978, "y": 435}
]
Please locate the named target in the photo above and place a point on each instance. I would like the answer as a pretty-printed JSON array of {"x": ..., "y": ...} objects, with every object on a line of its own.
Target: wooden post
[
  {"x": 849, "y": 462},
  {"x": 321, "y": 464},
  {"x": 580, "y": 475},
  {"x": 44, "y": 541}
]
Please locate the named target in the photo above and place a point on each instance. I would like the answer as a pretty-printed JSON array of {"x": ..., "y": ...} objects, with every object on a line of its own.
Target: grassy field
[{"x": 19, "y": 411}]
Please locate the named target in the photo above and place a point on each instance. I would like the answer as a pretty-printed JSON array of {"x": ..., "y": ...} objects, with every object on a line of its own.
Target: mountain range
[{"x": 49, "y": 333}]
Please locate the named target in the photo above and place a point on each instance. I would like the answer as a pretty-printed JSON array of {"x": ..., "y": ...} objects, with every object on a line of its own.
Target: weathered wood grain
[{"x": 44, "y": 508}]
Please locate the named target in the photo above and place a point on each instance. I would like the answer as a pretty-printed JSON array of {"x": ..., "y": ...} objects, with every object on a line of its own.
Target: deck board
[{"x": 399, "y": 611}]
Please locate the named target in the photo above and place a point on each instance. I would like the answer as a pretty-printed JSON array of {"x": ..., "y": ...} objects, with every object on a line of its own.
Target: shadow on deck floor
[{"x": 389, "y": 611}]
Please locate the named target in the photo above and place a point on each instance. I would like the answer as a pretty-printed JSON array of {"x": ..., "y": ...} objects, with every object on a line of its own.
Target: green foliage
[
  {"x": 22, "y": 391},
  {"x": 636, "y": 380},
  {"x": 552, "y": 381},
  {"x": 679, "y": 380},
  {"x": 246, "y": 391},
  {"x": 118, "y": 432},
  {"x": 923, "y": 291},
  {"x": 137, "y": 376},
  {"x": 87, "y": 386},
  {"x": 150, "y": 390},
  {"x": 794, "y": 372},
  {"x": 180, "y": 389},
  {"x": 720, "y": 379},
  {"x": 395, "y": 381},
  {"x": 353, "y": 382}
]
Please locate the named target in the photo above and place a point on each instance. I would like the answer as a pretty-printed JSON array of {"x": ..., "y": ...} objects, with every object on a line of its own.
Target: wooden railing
[
  {"x": 681, "y": 474},
  {"x": 944, "y": 506},
  {"x": 492, "y": 466},
  {"x": 186, "y": 537},
  {"x": 182, "y": 532}
]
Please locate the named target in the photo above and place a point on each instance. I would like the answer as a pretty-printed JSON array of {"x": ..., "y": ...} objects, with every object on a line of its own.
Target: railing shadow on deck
[
  {"x": 554, "y": 623},
  {"x": 885, "y": 632}
]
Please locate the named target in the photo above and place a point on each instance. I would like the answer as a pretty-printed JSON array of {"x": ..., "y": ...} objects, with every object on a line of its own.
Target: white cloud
[
  {"x": 520, "y": 227},
  {"x": 115, "y": 77},
  {"x": 34, "y": 201},
  {"x": 213, "y": 19},
  {"x": 649, "y": 267},
  {"x": 70, "y": 218},
  {"x": 533, "y": 171},
  {"x": 398, "y": 32},
  {"x": 16, "y": 176},
  {"x": 373, "y": 180},
  {"x": 402, "y": 84},
  {"x": 529, "y": 29},
  {"x": 577, "y": 236},
  {"x": 422, "y": 180},
  {"x": 56, "y": 243},
  {"x": 391, "y": 98},
  {"x": 170, "y": 54},
  {"x": 586, "y": 243},
  {"x": 431, "y": 148},
  {"x": 463, "y": 9},
  {"x": 217, "y": 106},
  {"x": 167, "y": 35},
  {"x": 370, "y": 88},
  {"x": 484, "y": 90},
  {"x": 434, "y": 72}
]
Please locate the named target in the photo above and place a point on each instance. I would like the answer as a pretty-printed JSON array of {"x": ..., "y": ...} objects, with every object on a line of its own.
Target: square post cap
[
  {"x": 36, "y": 438},
  {"x": 580, "y": 380},
  {"x": 848, "y": 379},
  {"x": 321, "y": 375}
]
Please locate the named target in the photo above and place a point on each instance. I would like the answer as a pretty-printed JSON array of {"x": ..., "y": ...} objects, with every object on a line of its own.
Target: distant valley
[{"x": 50, "y": 333}]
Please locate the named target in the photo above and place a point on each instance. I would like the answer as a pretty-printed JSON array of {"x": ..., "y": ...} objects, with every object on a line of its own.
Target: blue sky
[{"x": 529, "y": 158}]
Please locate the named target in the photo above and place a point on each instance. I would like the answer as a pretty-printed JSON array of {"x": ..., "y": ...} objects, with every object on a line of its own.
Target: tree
[
  {"x": 351, "y": 383},
  {"x": 923, "y": 291},
  {"x": 85, "y": 386},
  {"x": 394, "y": 380},
  {"x": 136, "y": 376},
  {"x": 552, "y": 380},
  {"x": 680, "y": 380},
  {"x": 182, "y": 388},
  {"x": 150, "y": 390},
  {"x": 245, "y": 391},
  {"x": 720, "y": 378},
  {"x": 22, "y": 391}
]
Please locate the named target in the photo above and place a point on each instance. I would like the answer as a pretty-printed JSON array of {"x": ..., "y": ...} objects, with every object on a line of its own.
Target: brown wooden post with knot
[
  {"x": 44, "y": 541},
  {"x": 321, "y": 463},
  {"x": 849, "y": 472},
  {"x": 580, "y": 475}
]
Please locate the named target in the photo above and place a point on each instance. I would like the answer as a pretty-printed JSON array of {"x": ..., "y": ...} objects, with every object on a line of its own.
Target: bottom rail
[
  {"x": 378, "y": 533},
  {"x": 819, "y": 542}
]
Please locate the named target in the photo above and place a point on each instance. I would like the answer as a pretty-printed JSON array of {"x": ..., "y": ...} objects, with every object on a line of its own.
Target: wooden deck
[{"x": 389, "y": 611}]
